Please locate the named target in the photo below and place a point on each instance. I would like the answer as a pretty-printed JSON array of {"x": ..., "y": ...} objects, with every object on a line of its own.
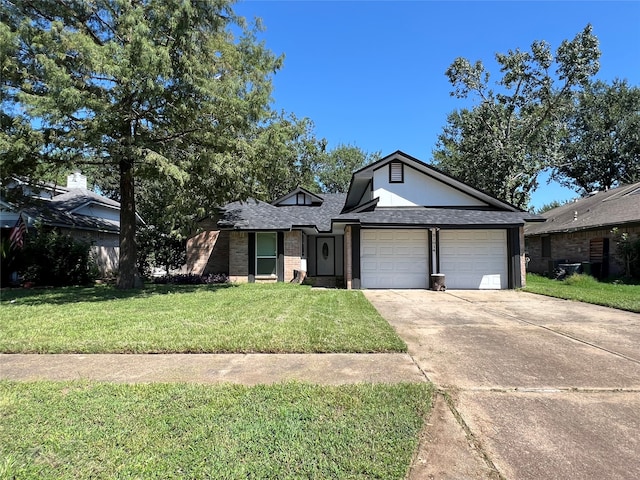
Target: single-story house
[
  {"x": 400, "y": 222},
  {"x": 581, "y": 231},
  {"x": 73, "y": 210}
]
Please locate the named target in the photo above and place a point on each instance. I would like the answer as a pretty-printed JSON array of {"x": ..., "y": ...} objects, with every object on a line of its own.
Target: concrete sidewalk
[{"x": 247, "y": 369}]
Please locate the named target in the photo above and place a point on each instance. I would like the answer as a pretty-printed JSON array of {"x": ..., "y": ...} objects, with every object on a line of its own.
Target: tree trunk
[{"x": 127, "y": 271}]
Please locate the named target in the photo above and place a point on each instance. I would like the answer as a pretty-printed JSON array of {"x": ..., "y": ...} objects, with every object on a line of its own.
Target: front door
[{"x": 325, "y": 256}]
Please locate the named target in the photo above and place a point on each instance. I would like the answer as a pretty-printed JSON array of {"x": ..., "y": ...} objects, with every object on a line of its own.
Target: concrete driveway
[{"x": 532, "y": 387}]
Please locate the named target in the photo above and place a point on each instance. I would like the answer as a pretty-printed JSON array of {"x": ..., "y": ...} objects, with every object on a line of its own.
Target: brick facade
[
  {"x": 292, "y": 253},
  {"x": 573, "y": 248},
  {"x": 239, "y": 257},
  {"x": 208, "y": 252}
]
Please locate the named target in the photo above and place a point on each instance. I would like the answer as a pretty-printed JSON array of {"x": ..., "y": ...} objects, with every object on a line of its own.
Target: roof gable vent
[{"x": 396, "y": 172}]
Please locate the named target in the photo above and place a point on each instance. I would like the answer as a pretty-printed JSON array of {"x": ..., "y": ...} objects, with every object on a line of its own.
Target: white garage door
[
  {"x": 393, "y": 258},
  {"x": 474, "y": 259}
]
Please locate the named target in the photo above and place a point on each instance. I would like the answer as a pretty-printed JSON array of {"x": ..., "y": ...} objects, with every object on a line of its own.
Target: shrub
[
  {"x": 580, "y": 280},
  {"x": 193, "y": 279},
  {"x": 628, "y": 253},
  {"x": 54, "y": 259}
]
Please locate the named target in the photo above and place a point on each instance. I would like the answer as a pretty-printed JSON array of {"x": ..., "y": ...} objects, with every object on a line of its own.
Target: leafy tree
[
  {"x": 161, "y": 239},
  {"x": 286, "y": 152},
  {"x": 501, "y": 144},
  {"x": 334, "y": 172},
  {"x": 627, "y": 252},
  {"x": 549, "y": 206},
  {"x": 159, "y": 249},
  {"x": 601, "y": 148},
  {"x": 146, "y": 89}
]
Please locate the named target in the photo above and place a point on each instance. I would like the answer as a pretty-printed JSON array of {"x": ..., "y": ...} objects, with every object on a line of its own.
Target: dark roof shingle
[
  {"x": 438, "y": 217},
  {"x": 617, "y": 206},
  {"x": 257, "y": 215}
]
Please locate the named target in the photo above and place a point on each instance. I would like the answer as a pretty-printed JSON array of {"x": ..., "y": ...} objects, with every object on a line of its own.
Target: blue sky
[{"x": 371, "y": 73}]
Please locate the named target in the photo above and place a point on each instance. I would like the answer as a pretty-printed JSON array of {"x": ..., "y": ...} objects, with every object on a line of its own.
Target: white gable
[
  {"x": 417, "y": 189},
  {"x": 299, "y": 198},
  {"x": 99, "y": 211}
]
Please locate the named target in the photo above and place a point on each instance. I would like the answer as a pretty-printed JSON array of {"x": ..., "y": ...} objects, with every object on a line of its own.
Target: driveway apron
[{"x": 541, "y": 387}]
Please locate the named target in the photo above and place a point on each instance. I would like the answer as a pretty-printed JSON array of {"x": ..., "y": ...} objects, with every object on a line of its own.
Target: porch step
[{"x": 327, "y": 282}]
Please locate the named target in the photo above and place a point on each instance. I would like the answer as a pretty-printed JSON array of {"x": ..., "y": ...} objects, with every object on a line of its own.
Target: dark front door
[{"x": 325, "y": 256}]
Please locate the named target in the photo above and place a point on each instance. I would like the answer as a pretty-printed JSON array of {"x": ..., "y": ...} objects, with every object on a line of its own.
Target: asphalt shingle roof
[
  {"x": 58, "y": 211},
  {"x": 257, "y": 215},
  {"x": 77, "y": 197},
  {"x": 438, "y": 217},
  {"x": 51, "y": 214},
  {"x": 617, "y": 206}
]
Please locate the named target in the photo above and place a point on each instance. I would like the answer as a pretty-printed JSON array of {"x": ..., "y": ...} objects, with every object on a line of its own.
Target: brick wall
[
  {"x": 292, "y": 253},
  {"x": 238, "y": 257},
  {"x": 573, "y": 248},
  {"x": 208, "y": 252}
]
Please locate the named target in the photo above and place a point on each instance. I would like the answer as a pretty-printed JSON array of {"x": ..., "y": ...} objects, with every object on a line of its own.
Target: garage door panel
[
  {"x": 366, "y": 251},
  {"x": 394, "y": 258},
  {"x": 401, "y": 251},
  {"x": 385, "y": 266},
  {"x": 369, "y": 266},
  {"x": 474, "y": 259}
]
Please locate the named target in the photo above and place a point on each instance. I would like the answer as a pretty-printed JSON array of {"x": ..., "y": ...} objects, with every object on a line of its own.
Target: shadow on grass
[
  {"x": 98, "y": 293},
  {"x": 622, "y": 281}
]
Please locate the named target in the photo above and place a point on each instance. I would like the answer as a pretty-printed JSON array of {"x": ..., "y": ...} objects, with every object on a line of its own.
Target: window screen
[{"x": 266, "y": 254}]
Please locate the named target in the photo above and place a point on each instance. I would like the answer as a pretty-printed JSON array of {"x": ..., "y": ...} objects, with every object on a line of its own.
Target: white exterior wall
[
  {"x": 105, "y": 247},
  {"x": 98, "y": 211},
  {"x": 418, "y": 189}
]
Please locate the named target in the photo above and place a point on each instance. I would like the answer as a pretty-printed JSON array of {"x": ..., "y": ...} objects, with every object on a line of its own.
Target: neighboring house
[
  {"x": 401, "y": 221},
  {"x": 73, "y": 210},
  {"x": 581, "y": 231}
]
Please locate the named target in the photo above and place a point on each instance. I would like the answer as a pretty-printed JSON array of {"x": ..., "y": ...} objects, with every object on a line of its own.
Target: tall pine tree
[{"x": 141, "y": 88}]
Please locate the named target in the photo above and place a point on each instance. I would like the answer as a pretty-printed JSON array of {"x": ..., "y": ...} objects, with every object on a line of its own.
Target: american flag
[{"x": 16, "y": 238}]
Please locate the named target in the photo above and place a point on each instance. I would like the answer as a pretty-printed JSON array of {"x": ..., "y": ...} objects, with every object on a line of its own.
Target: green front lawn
[
  {"x": 93, "y": 430},
  {"x": 192, "y": 319},
  {"x": 587, "y": 289}
]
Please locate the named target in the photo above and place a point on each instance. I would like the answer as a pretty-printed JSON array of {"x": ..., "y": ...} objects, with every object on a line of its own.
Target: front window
[{"x": 266, "y": 254}]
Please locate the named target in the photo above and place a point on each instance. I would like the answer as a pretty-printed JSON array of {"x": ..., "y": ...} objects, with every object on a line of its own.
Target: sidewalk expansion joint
[
  {"x": 471, "y": 438},
  {"x": 424, "y": 374},
  {"x": 547, "y": 390},
  {"x": 565, "y": 335}
]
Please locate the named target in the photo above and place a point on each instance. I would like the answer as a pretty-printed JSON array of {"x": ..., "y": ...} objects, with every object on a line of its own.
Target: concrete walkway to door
[{"x": 532, "y": 387}]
